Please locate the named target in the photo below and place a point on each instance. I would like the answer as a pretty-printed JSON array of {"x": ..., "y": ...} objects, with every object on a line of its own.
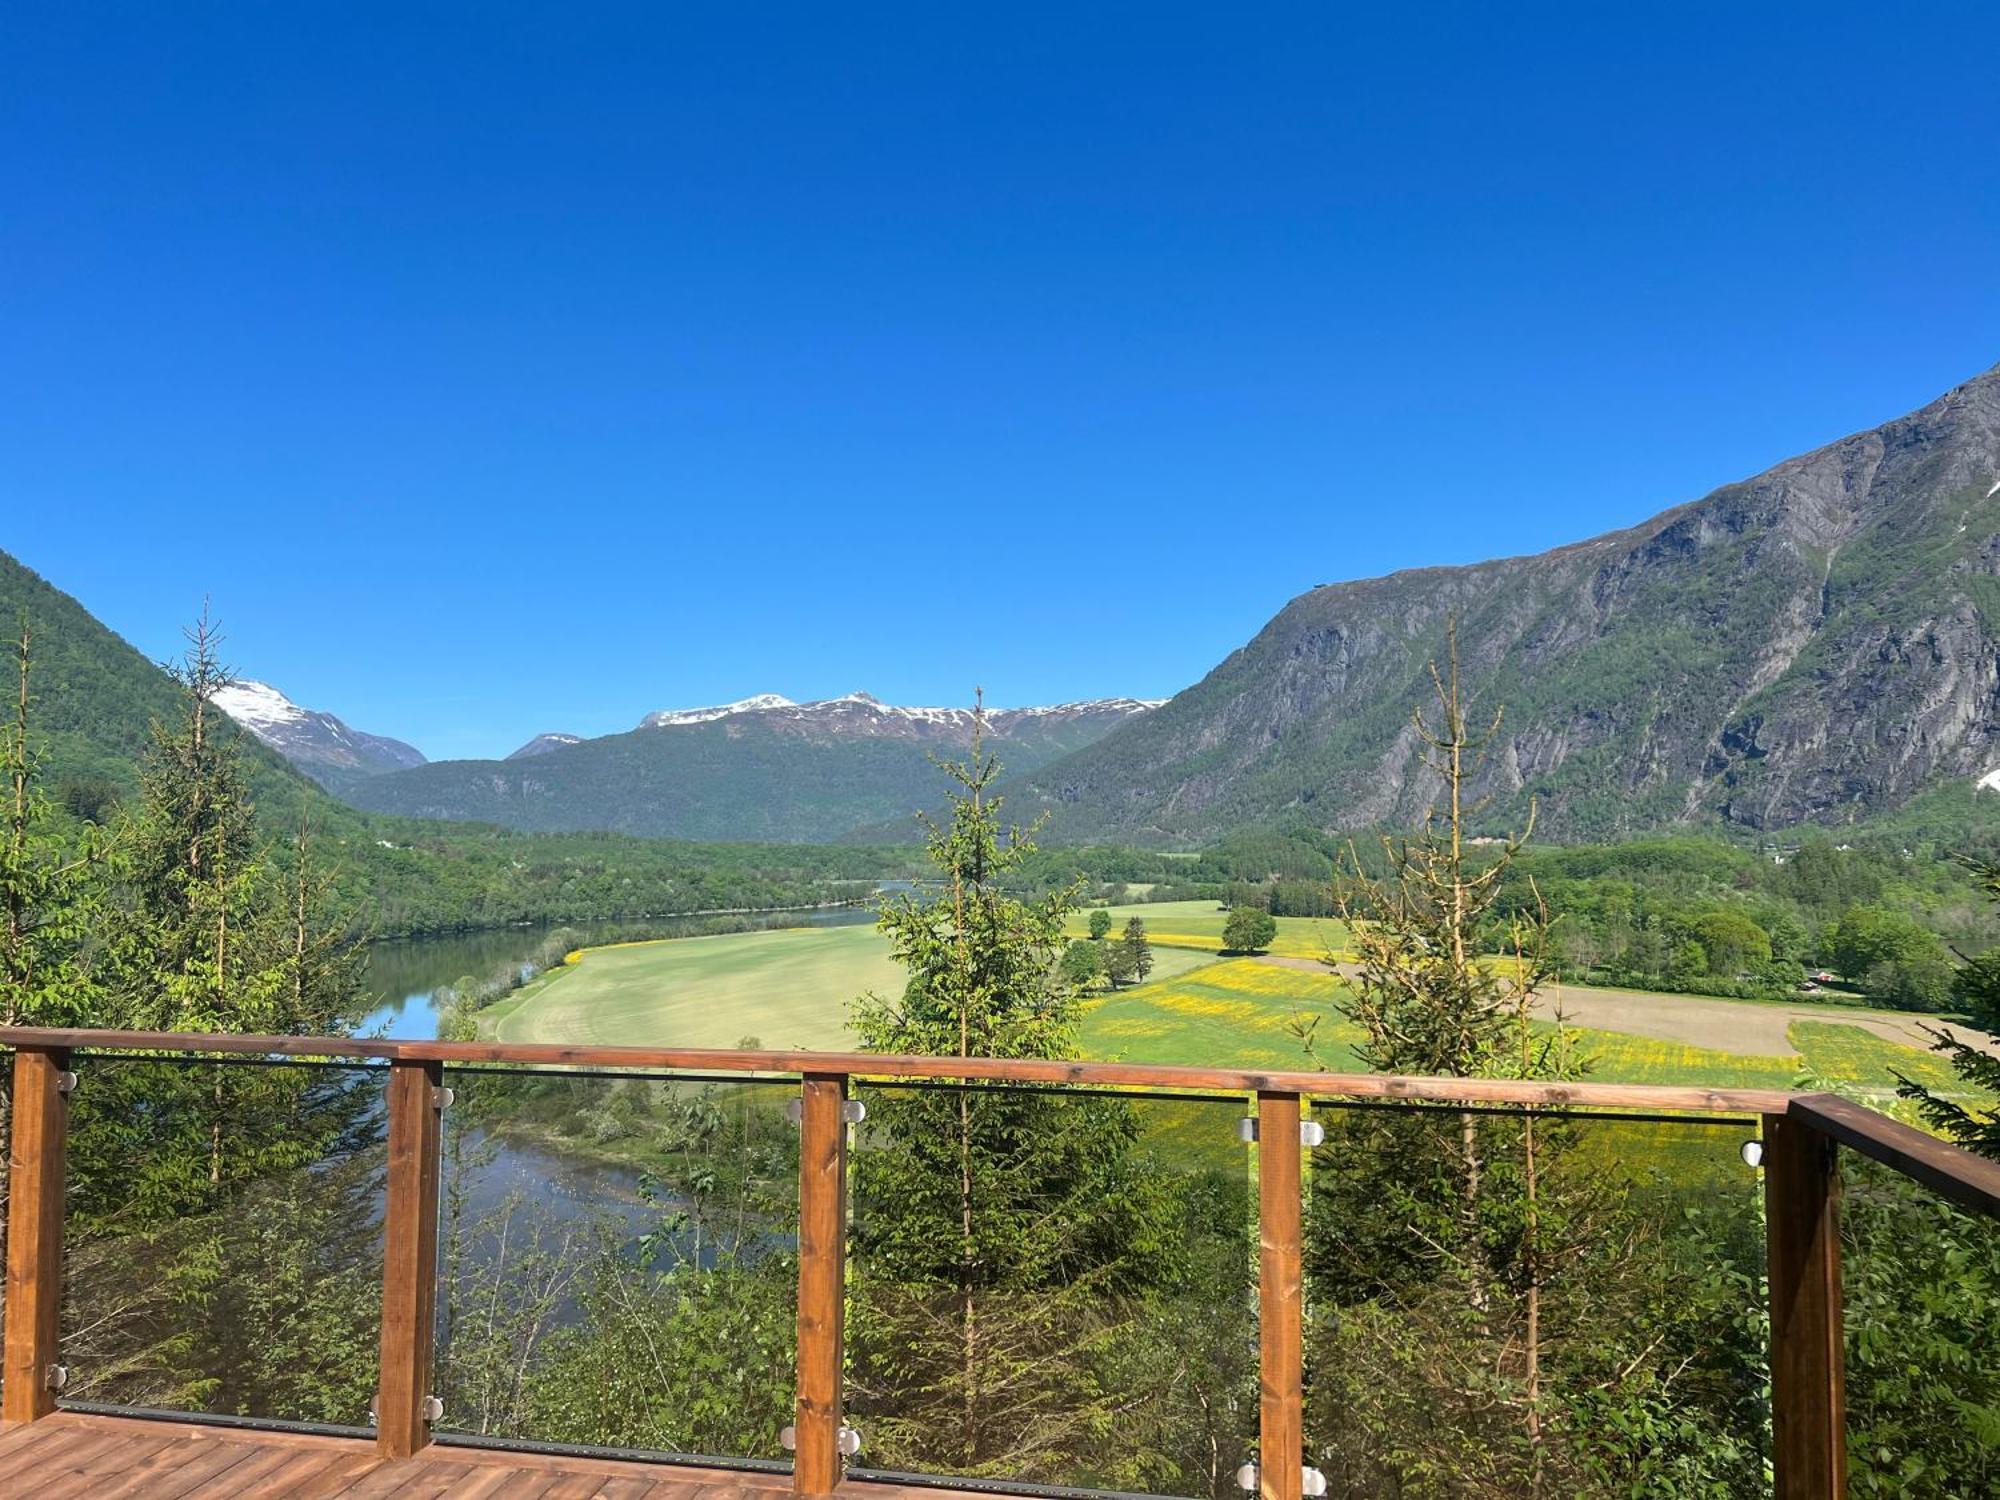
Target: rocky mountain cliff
[{"x": 1814, "y": 644}]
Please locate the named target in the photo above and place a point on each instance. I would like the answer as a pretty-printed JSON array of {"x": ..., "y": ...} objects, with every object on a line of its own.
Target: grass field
[
  {"x": 793, "y": 987},
  {"x": 789, "y": 987},
  {"x": 1198, "y": 925}
]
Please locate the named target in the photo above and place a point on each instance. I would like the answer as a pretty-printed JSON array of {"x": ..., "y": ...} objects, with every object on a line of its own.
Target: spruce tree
[
  {"x": 193, "y": 868},
  {"x": 252, "y": 1185},
  {"x": 1963, "y": 1119},
  {"x": 1462, "y": 1253},
  {"x": 51, "y": 885},
  {"x": 995, "y": 1230}
]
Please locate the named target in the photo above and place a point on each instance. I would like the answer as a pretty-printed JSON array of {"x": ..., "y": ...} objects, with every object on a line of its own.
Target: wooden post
[
  {"x": 34, "y": 1231},
  {"x": 1808, "y": 1360},
  {"x": 822, "y": 1283},
  {"x": 409, "y": 1262},
  {"x": 1280, "y": 1300}
]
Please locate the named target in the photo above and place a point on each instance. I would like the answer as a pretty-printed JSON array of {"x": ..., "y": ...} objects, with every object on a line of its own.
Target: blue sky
[{"x": 503, "y": 368}]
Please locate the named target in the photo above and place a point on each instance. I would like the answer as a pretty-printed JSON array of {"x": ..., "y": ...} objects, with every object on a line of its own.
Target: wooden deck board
[{"x": 72, "y": 1455}]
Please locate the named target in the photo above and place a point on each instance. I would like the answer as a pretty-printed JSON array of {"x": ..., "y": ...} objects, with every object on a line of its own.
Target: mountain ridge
[
  {"x": 1810, "y": 644},
  {"x": 317, "y": 743},
  {"x": 758, "y": 770}
]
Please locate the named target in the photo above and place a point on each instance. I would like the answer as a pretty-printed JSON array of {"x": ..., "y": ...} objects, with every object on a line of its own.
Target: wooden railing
[{"x": 1801, "y": 1139}]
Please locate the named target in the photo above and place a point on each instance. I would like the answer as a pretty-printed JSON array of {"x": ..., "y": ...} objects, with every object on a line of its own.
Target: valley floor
[{"x": 793, "y": 987}]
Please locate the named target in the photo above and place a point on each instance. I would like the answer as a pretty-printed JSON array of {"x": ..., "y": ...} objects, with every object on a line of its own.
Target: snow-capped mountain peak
[
  {"x": 258, "y": 706},
  {"x": 859, "y": 706},
  {"x": 320, "y": 745},
  {"x": 758, "y": 704}
]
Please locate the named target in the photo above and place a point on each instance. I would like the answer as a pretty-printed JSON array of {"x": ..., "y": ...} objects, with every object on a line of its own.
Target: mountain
[
  {"x": 666, "y": 716},
  {"x": 1815, "y": 644},
  {"x": 764, "y": 768},
  {"x": 542, "y": 744},
  {"x": 317, "y": 743},
  {"x": 95, "y": 698}
]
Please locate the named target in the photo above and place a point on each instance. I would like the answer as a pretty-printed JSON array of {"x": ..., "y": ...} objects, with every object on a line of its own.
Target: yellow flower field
[{"x": 1198, "y": 924}]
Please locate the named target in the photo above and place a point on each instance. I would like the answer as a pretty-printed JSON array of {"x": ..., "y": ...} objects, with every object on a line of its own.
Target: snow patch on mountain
[
  {"x": 317, "y": 743},
  {"x": 542, "y": 744},
  {"x": 758, "y": 704},
  {"x": 258, "y": 706},
  {"x": 867, "y": 703}
]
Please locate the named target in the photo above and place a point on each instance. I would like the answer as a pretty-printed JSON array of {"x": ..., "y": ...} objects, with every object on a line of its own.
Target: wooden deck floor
[{"x": 73, "y": 1456}]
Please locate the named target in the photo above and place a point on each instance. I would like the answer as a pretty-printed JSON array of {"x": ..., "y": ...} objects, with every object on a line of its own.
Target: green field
[
  {"x": 793, "y": 988},
  {"x": 790, "y": 987},
  {"x": 787, "y": 988},
  {"x": 1198, "y": 925}
]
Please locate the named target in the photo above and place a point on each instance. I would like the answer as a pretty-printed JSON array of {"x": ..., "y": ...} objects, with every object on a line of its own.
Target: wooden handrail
[
  {"x": 987, "y": 1070},
  {"x": 1802, "y": 1185},
  {"x": 1969, "y": 1181}
]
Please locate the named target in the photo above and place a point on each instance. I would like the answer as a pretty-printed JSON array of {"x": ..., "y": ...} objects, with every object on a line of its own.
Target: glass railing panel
[
  {"x": 222, "y": 1230},
  {"x": 1052, "y": 1287},
  {"x": 1920, "y": 1279},
  {"x": 618, "y": 1261},
  {"x": 1506, "y": 1304}
]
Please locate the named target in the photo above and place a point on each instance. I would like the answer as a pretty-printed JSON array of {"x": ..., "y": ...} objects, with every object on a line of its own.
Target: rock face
[
  {"x": 763, "y": 769},
  {"x": 318, "y": 744},
  {"x": 1813, "y": 644}
]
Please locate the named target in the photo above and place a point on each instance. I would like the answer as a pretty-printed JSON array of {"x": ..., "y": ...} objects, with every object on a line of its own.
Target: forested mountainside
[
  {"x": 95, "y": 698},
  {"x": 765, "y": 768},
  {"x": 1816, "y": 644}
]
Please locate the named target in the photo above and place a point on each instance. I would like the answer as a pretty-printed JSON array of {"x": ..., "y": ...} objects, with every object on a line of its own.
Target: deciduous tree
[{"x": 1248, "y": 929}]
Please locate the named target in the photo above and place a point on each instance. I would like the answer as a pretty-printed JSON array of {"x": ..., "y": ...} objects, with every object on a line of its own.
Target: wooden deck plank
[
  {"x": 80, "y": 1473},
  {"x": 21, "y": 1436},
  {"x": 421, "y": 1478},
  {"x": 55, "y": 1445},
  {"x": 632, "y": 1488},
  {"x": 524, "y": 1484},
  {"x": 301, "y": 1467},
  {"x": 94, "y": 1456},
  {"x": 574, "y": 1487},
  {"x": 230, "y": 1482},
  {"x": 482, "y": 1482},
  {"x": 178, "y": 1468}
]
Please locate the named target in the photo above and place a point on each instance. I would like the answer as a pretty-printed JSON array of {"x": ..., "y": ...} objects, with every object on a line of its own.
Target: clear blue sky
[{"x": 497, "y": 368}]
